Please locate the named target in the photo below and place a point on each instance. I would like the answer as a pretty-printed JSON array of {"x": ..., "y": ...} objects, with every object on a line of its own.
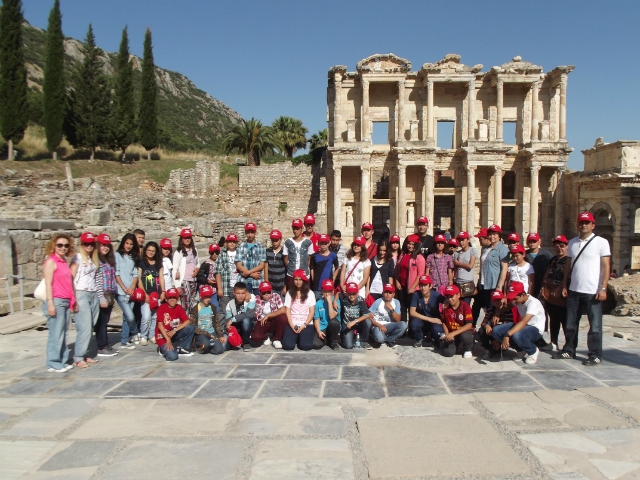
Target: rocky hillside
[{"x": 191, "y": 119}]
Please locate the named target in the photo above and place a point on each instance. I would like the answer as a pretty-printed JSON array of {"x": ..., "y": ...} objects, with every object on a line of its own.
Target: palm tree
[
  {"x": 319, "y": 139},
  {"x": 292, "y": 134},
  {"x": 252, "y": 138}
]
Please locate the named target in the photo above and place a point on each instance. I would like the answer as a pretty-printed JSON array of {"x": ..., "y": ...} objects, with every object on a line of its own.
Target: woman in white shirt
[
  {"x": 299, "y": 306},
  {"x": 356, "y": 266},
  {"x": 520, "y": 270}
]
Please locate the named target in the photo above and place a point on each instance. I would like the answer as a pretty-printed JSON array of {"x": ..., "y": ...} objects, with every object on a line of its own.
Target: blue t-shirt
[
  {"x": 431, "y": 309},
  {"x": 205, "y": 319},
  {"x": 322, "y": 313}
]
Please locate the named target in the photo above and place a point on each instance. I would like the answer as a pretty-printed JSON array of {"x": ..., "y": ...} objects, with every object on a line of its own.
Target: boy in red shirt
[
  {"x": 173, "y": 327},
  {"x": 457, "y": 321}
]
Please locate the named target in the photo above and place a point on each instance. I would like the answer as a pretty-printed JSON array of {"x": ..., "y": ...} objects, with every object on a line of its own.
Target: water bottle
[
  {"x": 357, "y": 340},
  {"x": 441, "y": 335}
]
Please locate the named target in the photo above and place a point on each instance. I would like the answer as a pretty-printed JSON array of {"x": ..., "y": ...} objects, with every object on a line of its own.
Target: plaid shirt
[
  {"x": 222, "y": 267},
  {"x": 105, "y": 280},
  {"x": 439, "y": 269},
  {"x": 250, "y": 258},
  {"x": 276, "y": 304}
]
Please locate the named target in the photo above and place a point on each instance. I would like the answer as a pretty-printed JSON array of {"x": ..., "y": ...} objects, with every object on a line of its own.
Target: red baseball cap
[
  {"x": 514, "y": 237},
  {"x": 463, "y": 234},
  {"x": 328, "y": 284},
  {"x": 154, "y": 300},
  {"x": 172, "y": 293},
  {"x": 214, "y": 248},
  {"x": 423, "y": 219},
  {"x": 388, "y": 288},
  {"x": 309, "y": 220},
  {"x": 359, "y": 240},
  {"x": 104, "y": 239},
  {"x": 352, "y": 288},
  {"x": 275, "y": 234},
  {"x": 425, "y": 280},
  {"x": 586, "y": 217},
  {"x": 515, "y": 289},
  {"x": 413, "y": 238},
  {"x": 451, "y": 290},
  {"x": 518, "y": 249},
  {"x": 265, "y": 287},
  {"x": 560, "y": 239},
  {"x": 138, "y": 295},
  {"x": 453, "y": 241},
  {"x": 366, "y": 226},
  {"x": 534, "y": 237},
  {"x": 394, "y": 238},
  {"x": 250, "y": 227},
  {"x": 165, "y": 243},
  {"x": 324, "y": 238},
  {"x": 186, "y": 232},
  {"x": 494, "y": 228},
  {"x": 497, "y": 295},
  {"x": 232, "y": 237},
  {"x": 297, "y": 223},
  {"x": 440, "y": 239},
  {"x": 482, "y": 233},
  {"x": 206, "y": 291},
  {"x": 302, "y": 274},
  {"x": 88, "y": 237}
]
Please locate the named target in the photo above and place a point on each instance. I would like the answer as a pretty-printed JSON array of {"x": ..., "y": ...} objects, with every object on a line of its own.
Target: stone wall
[{"x": 200, "y": 181}]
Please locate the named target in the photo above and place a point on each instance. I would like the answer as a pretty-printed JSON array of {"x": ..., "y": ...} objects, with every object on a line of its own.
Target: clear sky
[{"x": 270, "y": 58}]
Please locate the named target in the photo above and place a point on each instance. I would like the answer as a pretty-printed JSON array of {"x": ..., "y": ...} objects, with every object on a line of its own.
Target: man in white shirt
[
  {"x": 586, "y": 275},
  {"x": 387, "y": 325}
]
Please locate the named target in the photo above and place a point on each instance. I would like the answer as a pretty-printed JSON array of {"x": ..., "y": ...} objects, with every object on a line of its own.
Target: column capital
[
  {"x": 535, "y": 169},
  {"x": 498, "y": 168},
  {"x": 562, "y": 169},
  {"x": 563, "y": 80},
  {"x": 365, "y": 83},
  {"x": 472, "y": 83},
  {"x": 337, "y": 168},
  {"x": 429, "y": 170},
  {"x": 402, "y": 169},
  {"x": 499, "y": 83},
  {"x": 536, "y": 85},
  {"x": 365, "y": 168},
  {"x": 429, "y": 84},
  {"x": 471, "y": 168}
]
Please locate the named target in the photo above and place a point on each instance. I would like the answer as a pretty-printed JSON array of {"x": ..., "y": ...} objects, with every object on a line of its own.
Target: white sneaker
[
  {"x": 533, "y": 358},
  {"x": 135, "y": 339},
  {"x": 267, "y": 341},
  {"x": 277, "y": 344},
  {"x": 55, "y": 370},
  {"x": 68, "y": 367},
  {"x": 143, "y": 341},
  {"x": 467, "y": 355}
]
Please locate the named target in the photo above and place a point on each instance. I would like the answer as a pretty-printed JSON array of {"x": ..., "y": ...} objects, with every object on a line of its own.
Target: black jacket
[
  {"x": 387, "y": 271},
  {"x": 203, "y": 274}
]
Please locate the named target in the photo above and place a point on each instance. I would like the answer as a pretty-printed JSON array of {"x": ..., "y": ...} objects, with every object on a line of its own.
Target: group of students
[{"x": 311, "y": 291}]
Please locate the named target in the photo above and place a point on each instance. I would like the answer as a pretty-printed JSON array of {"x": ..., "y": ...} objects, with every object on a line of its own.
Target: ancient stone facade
[
  {"x": 483, "y": 178},
  {"x": 200, "y": 181}
]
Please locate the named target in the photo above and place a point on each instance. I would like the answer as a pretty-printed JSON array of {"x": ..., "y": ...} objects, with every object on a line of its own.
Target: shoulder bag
[{"x": 337, "y": 289}]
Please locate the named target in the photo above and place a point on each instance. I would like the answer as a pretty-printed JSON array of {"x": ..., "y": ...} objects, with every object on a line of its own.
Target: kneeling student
[
  {"x": 425, "y": 313},
  {"x": 300, "y": 305},
  {"x": 173, "y": 328},
  {"x": 355, "y": 316},
  {"x": 270, "y": 317},
  {"x": 326, "y": 318},
  {"x": 498, "y": 313},
  {"x": 457, "y": 323},
  {"x": 387, "y": 325},
  {"x": 524, "y": 334},
  {"x": 240, "y": 313},
  {"x": 204, "y": 317}
]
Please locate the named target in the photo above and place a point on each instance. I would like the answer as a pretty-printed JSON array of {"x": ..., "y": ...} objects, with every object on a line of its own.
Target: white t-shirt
[
  {"x": 167, "y": 272},
  {"x": 521, "y": 274},
  {"x": 380, "y": 311},
  {"x": 233, "y": 269},
  {"x": 484, "y": 264},
  {"x": 285, "y": 251},
  {"x": 376, "y": 283},
  {"x": 586, "y": 276},
  {"x": 85, "y": 278},
  {"x": 535, "y": 308},
  {"x": 299, "y": 310},
  {"x": 358, "y": 272}
]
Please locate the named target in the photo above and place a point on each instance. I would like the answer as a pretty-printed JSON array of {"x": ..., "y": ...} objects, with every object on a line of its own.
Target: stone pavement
[{"x": 405, "y": 413}]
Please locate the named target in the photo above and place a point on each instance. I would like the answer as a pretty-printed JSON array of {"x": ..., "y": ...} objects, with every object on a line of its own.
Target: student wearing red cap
[
  {"x": 494, "y": 264},
  {"x": 382, "y": 270},
  {"x": 251, "y": 259},
  {"x": 394, "y": 248},
  {"x": 500, "y": 312},
  {"x": 309, "y": 227},
  {"x": 520, "y": 270},
  {"x": 355, "y": 317},
  {"x": 204, "y": 318},
  {"x": 356, "y": 267},
  {"x": 512, "y": 240},
  {"x": 84, "y": 266},
  {"x": 323, "y": 266},
  {"x": 275, "y": 270},
  {"x": 584, "y": 284},
  {"x": 409, "y": 268},
  {"x": 207, "y": 273},
  {"x": 539, "y": 258},
  {"x": 457, "y": 322},
  {"x": 127, "y": 258},
  {"x": 367, "y": 232},
  {"x": 297, "y": 252},
  {"x": 174, "y": 331},
  {"x": 300, "y": 305},
  {"x": 439, "y": 265},
  {"x": 554, "y": 303},
  {"x": 240, "y": 313},
  {"x": 106, "y": 290},
  {"x": 524, "y": 334},
  {"x": 186, "y": 264},
  {"x": 166, "y": 249},
  {"x": 386, "y": 322},
  {"x": 151, "y": 280},
  {"x": 271, "y": 317},
  {"x": 426, "y": 240},
  {"x": 425, "y": 313},
  {"x": 326, "y": 318},
  {"x": 464, "y": 262}
]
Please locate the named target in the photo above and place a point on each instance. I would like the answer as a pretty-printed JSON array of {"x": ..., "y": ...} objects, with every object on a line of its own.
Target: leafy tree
[
  {"x": 13, "y": 75},
  {"x": 53, "y": 88},
  {"x": 148, "y": 117},
  {"x": 254, "y": 139},
  {"x": 123, "y": 126},
  {"x": 291, "y": 133},
  {"x": 318, "y": 139}
]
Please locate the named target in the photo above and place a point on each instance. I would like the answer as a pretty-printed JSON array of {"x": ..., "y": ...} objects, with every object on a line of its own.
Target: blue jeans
[
  {"x": 57, "y": 349},
  {"x": 129, "y": 325},
  {"x": 419, "y": 326},
  {"x": 182, "y": 338},
  {"x": 86, "y": 318},
  {"x": 576, "y": 302},
  {"x": 349, "y": 334},
  {"x": 244, "y": 327},
  {"x": 394, "y": 330},
  {"x": 148, "y": 325},
  {"x": 523, "y": 340},
  {"x": 304, "y": 339},
  {"x": 210, "y": 345}
]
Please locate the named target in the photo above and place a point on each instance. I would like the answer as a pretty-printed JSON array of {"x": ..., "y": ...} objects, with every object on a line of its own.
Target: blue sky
[{"x": 270, "y": 58}]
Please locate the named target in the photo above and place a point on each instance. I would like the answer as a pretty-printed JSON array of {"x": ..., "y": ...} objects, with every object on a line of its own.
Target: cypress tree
[
  {"x": 124, "y": 118},
  {"x": 148, "y": 117},
  {"x": 53, "y": 88},
  {"x": 13, "y": 75}
]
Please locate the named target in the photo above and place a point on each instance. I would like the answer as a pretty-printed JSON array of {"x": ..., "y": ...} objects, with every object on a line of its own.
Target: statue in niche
[
  {"x": 349, "y": 213},
  {"x": 410, "y": 215}
]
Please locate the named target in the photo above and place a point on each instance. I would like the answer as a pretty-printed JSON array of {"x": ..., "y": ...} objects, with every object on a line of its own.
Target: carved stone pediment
[
  {"x": 384, "y": 63},
  {"x": 517, "y": 66},
  {"x": 338, "y": 69},
  {"x": 450, "y": 64}
]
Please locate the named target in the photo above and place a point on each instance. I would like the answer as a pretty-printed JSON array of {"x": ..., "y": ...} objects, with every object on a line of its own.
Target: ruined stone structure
[
  {"x": 200, "y": 181},
  {"x": 483, "y": 178}
]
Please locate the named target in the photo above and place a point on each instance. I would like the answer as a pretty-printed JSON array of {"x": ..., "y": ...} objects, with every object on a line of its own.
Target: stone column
[
  {"x": 430, "y": 110},
  {"x": 499, "y": 135},
  {"x": 533, "y": 216},
  {"x": 563, "y": 107},
  {"x": 365, "y": 194},
  {"x": 560, "y": 206},
  {"x": 337, "y": 107},
  {"x": 400, "y": 132},
  {"x": 472, "y": 103},
  {"x": 402, "y": 199},
  {"x": 428, "y": 204},
  {"x": 471, "y": 197},
  {"x": 497, "y": 195},
  {"x": 337, "y": 197},
  {"x": 351, "y": 130},
  {"x": 535, "y": 88},
  {"x": 365, "y": 134}
]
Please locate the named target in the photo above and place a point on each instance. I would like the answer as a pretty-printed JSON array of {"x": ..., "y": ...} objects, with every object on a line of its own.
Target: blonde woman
[
  {"x": 84, "y": 267},
  {"x": 60, "y": 300}
]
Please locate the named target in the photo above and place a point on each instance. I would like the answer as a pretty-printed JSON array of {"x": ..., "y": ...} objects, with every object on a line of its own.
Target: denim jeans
[
  {"x": 205, "y": 344},
  {"x": 182, "y": 338},
  {"x": 419, "y": 326},
  {"x": 129, "y": 325},
  {"x": 57, "y": 349},
  {"x": 394, "y": 330},
  {"x": 148, "y": 325},
  {"x": 576, "y": 303},
  {"x": 85, "y": 319},
  {"x": 304, "y": 339},
  {"x": 522, "y": 340},
  {"x": 349, "y": 334},
  {"x": 244, "y": 327}
]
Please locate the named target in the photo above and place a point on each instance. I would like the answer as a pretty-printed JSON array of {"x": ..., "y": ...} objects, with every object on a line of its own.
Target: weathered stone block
[
  {"x": 6, "y": 255},
  {"x": 23, "y": 246},
  {"x": 99, "y": 217}
]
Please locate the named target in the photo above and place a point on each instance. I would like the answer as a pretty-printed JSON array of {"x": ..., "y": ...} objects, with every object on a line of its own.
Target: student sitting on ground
[
  {"x": 425, "y": 313},
  {"x": 174, "y": 332},
  {"x": 355, "y": 317},
  {"x": 270, "y": 317},
  {"x": 204, "y": 317},
  {"x": 387, "y": 325},
  {"x": 457, "y": 324},
  {"x": 499, "y": 313},
  {"x": 240, "y": 313},
  {"x": 300, "y": 305},
  {"x": 326, "y": 318},
  {"x": 524, "y": 334}
]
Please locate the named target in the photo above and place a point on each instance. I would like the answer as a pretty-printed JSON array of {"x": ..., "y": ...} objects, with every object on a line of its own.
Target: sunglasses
[
  {"x": 92, "y": 245},
  {"x": 267, "y": 293},
  {"x": 62, "y": 245}
]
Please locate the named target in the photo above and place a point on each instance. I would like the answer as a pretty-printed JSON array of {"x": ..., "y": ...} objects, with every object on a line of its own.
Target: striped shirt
[{"x": 277, "y": 270}]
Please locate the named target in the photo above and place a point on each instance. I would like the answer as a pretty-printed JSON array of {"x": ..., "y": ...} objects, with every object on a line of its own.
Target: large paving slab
[
  {"x": 346, "y": 389},
  {"x": 229, "y": 389},
  {"x": 291, "y": 388},
  {"x": 313, "y": 372},
  {"x": 176, "y": 370},
  {"x": 565, "y": 380},
  {"x": 311, "y": 359},
  {"x": 490, "y": 381},
  {"x": 156, "y": 388},
  {"x": 17, "y": 458}
]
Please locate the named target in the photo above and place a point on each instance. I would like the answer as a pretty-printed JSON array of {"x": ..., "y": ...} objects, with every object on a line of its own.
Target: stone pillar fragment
[
  {"x": 497, "y": 195},
  {"x": 560, "y": 206},
  {"x": 414, "y": 130},
  {"x": 402, "y": 199},
  {"x": 337, "y": 197},
  {"x": 472, "y": 103},
  {"x": 365, "y": 194},
  {"x": 500, "y": 96},
  {"x": 533, "y": 216},
  {"x": 351, "y": 130},
  {"x": 428, "y": 187},
  {"x": 337, "y": 106},
  {"x": 471, "y": 197},
  {"x": 483, "y": 130},
  {"x": 400, "y": 133},
  {"x": 430, "y": 110},
  {"x": 563, "y": 107},
  {"x": 535, "y": 88},
  {"x": 365, "y": 133}
]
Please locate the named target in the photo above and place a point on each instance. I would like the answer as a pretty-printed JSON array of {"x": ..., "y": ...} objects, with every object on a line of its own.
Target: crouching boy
[
  {"x": 457, "y": 321},
  {"x": 174, "y": 332},
  {"x": 204, "y": 317},
  {"x": 356, "y": 317},
  {"x": 499, "y": 313},
  {"x": 240, "y": 313},
  {"x": 270, "y": 317},
  {"x": 387, "y": 325},
  {"x": 326, "y": 318}
]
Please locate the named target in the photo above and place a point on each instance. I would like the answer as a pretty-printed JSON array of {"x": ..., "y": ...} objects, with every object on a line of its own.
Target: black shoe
[
  {"x": 418, "y": 344},
  {"x": 366, "y": 346},
  {"x": 592, "y": 362},
  {"x": 107, "y": 352},
  {"x": 334, "y": 346},
  {"x": 543, "y": 346},
  {"x": 246, "y": 347},
  {"x": 184, "y": 352},
  {"x": 562, "y": 355}
]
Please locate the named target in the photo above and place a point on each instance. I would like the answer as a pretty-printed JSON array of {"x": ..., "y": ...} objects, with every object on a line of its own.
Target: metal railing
[{"x": 20, "y": 278}]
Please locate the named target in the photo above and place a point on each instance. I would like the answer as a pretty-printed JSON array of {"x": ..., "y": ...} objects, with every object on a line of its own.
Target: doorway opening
[
  {"x": 380, "y": 217},
  {"x": 444, "y": 218},
  {"x": 508, "y": 220}
]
